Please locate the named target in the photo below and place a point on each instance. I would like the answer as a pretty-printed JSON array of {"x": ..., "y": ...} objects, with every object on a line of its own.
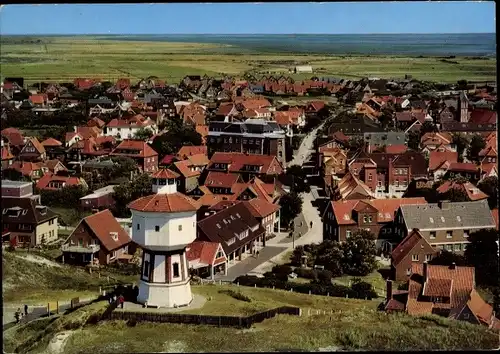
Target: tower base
[{"x": 165, "y": 295}]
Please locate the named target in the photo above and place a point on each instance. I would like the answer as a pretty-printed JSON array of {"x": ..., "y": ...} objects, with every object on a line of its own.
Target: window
[
  {"x": 370, "y": 219},
  {"x": 466, "y": 233},
  {"x": 431, "y": 220},
  {"x": 365, "y": 219},
  {"x": 157, "y": 228},
  {"x": 457, "y": 247},
  {"x": 175, "y": 270},
  {"x": 348, "y": 233},
  {"x": 113, "y": 255},
  {"x": 138, "y": 226},
  {"x": 414, "y": 257},
  {"x": 379, "y": 183},
  {"x": 408, "y": 271},
  {"x": 441, "y": 247},
  {"x": 449, "y": 234},
  {"x": 428, "y": 257},
  {"x": 370, "y": 177},
  {"x": 396, "y": 183},
  {"x": 466, "y": 316},
  {"x": 146, "y": 269},
  {"x": 180, "y": 227},
  {"x": 448, "y": 247},
  {"x": 432, "y": 235}
]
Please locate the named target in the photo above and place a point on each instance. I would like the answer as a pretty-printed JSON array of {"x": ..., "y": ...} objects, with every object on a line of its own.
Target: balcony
[{"x": 80, "y": 249}]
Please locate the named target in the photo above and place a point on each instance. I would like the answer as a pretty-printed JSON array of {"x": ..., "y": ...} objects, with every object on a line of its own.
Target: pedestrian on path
[
  {"x": 26, "y": 310},
  {"x": 17, "y": 315},
  {"x": 121, "y": 300},
  {"x": 311, "y": 223},
  {"x": 258, "y": 254}
]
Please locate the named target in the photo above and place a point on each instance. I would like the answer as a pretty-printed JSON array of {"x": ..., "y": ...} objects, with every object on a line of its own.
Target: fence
[{"x": 220, "y": 321}]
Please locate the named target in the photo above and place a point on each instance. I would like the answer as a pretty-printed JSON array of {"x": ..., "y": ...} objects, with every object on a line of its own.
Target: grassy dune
[{"x": 64, "y": 58}]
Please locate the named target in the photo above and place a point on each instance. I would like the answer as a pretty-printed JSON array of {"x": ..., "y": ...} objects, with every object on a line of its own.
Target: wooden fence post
[
  {"x": 273, "y": 287},
  {"x": 309, "y": 292},
  {"x": 238, "y": 283},
  {"x": 255, "y": 285},
  {"x": 327, "y": 294}
]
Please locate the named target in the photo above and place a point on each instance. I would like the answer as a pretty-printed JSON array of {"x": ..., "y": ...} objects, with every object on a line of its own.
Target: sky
[{"x": 250, "y": 18}]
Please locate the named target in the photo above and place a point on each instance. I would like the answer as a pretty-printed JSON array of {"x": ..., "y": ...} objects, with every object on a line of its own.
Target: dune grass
[{"x": 62, "y": 59}]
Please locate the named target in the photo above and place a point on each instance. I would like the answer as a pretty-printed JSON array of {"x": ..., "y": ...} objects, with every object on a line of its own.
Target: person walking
[
  {"x": 121, "y": 300},
  {"x": 26, "y": 310},
  {"x": 311, "y": 224},
  {"x": 17, "y": 315}
]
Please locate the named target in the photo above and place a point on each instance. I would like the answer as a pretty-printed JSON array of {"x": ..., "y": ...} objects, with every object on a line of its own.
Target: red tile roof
[
  {"x": 191, "y": 150},
  {"x": 49, "y": 142},
  {"x": 463, "y": 166},
  {"x": 136, "y": 121},
  {"x": 165, "y": 173},
  {"x": 38, "y": 99},
  {"x": 134, "y": 145},
  {"x": 43, "y": 183},
  {"x": 238, "y": 160},
  {"x": 25, "y": 168},
  {"x": 396, "y": 149},
  {"x": 350, "y": 185},
  {"x": 14, "y": 136},
  {"x": 36, "y": 144},
  {"x": 221, "y": 179},
  {"x": 260, "y": 208},
  {"x": 204, "y": 252},
  {"x": 6, "y": 154},
  {"x": 167, "y": 159},
  {"x": 437, "y": 158},
  {"x": 438, "y": 287},
  {"x": 103, "y": 224},
  {"x": 483, "y": 116},
  {"x": 165, "y": 203}
]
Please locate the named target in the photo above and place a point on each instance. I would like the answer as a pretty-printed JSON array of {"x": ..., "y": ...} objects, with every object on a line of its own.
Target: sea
[{"x": 467, "y": 44}]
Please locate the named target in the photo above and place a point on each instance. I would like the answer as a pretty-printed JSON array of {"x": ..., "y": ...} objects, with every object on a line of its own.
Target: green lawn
[
  {"x": 63, "y": 59},
  {"x": 374, "y": 278},
  {"x": 71, "y": 217},
  {"x": 36, "y": 282}
]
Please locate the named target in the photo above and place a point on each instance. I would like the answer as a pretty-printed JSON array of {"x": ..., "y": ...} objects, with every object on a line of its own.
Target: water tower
[{"x": 163, "y": 224}]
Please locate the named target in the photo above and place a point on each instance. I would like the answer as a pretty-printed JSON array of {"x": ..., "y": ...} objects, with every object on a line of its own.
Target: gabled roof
[
  {"x": 260, "y": 208},
  {"x": 36, "y": 144},
  {"x": 184, "y": 168},
  {"x": 191, "y": 150},
  {"x": 6, "y": 153},
  {"x": 350, "y": 185},
  {"x": 43, "y": 183},
  {"x": 103, "y": 224},
  {"x": 406, "y": 245},
  {"x": 238, "y": 160},
  {"x": 483, "y": 116},
  {"x": 202, "y": 253},
  {"x": 463, "y": 166},
  {"x": 25, "y": 168},
  {"x": 134, "y": 145},
  {"x": 14, "y": 136},
  {"x": 165, "y": 173},
  {"x": 437, "y": 158},
  {"x": 221, "y": 179},
  {"x": 33, "y": 214},
  {"x": 468, "y": 188},
  {"x": 51, "y": 142}
]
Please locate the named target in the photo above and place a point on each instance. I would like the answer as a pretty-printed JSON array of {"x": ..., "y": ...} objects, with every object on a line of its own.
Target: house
[
  {"x": 29, "y": 223},
  {"x": 190, "y": 150},
  {"x": 32, "y": 170},
  {"x": 206, "y": 259},
  {"x": 469, "y": 171},
  {"x": 266, "y": 213},
  {"x": 236, "y": 229},
  {"x": 145, "y": 157},
  {"x": 51, "y": 181},
  {"x": 253, "y": 136},
  {"x": 440, "y": 161},
  {"x": 7, "y": 156},
  {"x": 471, "y": 191},
  {"x": 374, "y": 141},
  {"x": 14, "y": 138},
  {"x": 101, "y": 198},
  {"x": 342, "y": 218},
  {"x": 127, "y": 128},
  {"x": 413, "y": 249},
  {"x": 348, "y": 187},
  {"x": 432, "y": 141},
  {"x": 33, "y": 150},
  {"x": 52, "y": 166},
  {"x": 190, "y": 171},
  {"x": 97, "y": 239},
  {"x": 447, "y": 291},
  {"x": 468, "y": 128},
  {"x": 334, "y": 161},
  {"x": 266, "y": 167},
  {"x": 445, "y": 225}
]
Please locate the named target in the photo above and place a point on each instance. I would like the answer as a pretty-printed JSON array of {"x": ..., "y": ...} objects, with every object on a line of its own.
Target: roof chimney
[
  {"x": 453, "y": 265},
  {"x": 425, "y": 271},
  {"x": 389, "y": 289}
]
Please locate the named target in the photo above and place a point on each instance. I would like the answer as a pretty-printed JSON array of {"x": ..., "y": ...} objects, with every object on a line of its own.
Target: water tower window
[
  {"x": 138, "y": 226},
  {"x": 171, "y": 181},
  {"x": 162, "y": 182},
  {"x": 180, "y": 227},
  {"x": 157, "y": 228},
  {"x": 146, "y": 269},
  {"x": 175, "y": 269}
]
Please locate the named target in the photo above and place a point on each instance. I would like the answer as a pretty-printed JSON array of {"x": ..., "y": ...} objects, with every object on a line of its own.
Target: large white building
[
  {"x": 163, "y": 224},
  {"x": 127, "y": 128}
]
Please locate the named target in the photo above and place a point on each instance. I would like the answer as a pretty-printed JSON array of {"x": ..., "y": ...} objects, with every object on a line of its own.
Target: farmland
[{"x": 64, "y": 58}]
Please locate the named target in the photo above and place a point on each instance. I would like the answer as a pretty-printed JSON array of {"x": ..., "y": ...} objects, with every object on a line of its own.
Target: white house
[
  {"x": 164, "y": 224},
  {"x": 127, "y": 128}
]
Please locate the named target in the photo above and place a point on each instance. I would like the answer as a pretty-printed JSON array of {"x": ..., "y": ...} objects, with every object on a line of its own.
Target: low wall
[{"x": 221, "y": 321}]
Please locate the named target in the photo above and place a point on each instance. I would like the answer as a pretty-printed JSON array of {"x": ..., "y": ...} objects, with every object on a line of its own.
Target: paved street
[{"x": 251, "y": 262}]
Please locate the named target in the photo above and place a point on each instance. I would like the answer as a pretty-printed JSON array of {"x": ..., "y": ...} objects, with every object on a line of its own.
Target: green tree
[
  {"x": 386, "y": 117},
  {"x": 477, "y": 144},
  {"x": 176, "y": 136},
  {"x": 359, "y": 253},
  {"x": 122, "y": 168},
  {"x": 461, "y": 142},
  {"x": 489, "y": 186},
  {"x": 414, "y": 140},
  {"x": 143, "y": 134},
  {"x": 127, "y": 192},
  {"x": 330, "y": 255},
  {"x": 428, "y": 127},
  {"x": 447, "y": 258},
  {"x": 291, "y": 207},
  {"x": 297, "y": 179},
  {"x": 482, "y": 253}
]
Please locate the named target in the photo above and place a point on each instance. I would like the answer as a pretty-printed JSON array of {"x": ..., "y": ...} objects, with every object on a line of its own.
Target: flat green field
[{"x": 63, "y": 59}]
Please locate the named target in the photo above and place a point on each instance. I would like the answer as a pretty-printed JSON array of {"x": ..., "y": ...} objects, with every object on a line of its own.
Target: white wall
[
  {"x": 169, "y": 237},
  {"x": 159, "y": 271},
  {"x": 125, "y": 132}
]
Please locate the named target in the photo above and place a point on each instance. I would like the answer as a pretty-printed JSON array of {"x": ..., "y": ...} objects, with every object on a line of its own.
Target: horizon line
[{"x": 231, "y": 34}]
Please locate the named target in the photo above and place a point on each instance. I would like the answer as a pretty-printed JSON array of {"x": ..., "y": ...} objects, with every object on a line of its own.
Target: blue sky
[{"x": 240, "y": 18}]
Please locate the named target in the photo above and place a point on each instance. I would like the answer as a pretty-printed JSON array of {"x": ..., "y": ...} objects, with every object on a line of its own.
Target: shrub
[
  {"x": 307, "y": 273},
  {"x": 362, "y": 290},
  {"x": 282, "y": 269},
  {"x": 325, "y": 277},
  {"x": 246, "y": 280}
]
